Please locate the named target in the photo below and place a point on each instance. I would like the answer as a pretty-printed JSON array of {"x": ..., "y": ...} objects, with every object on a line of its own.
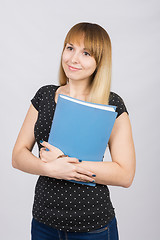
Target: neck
[{"x": 77, "y": 89}]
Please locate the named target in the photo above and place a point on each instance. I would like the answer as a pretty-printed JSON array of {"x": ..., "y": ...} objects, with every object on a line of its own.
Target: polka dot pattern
[
  {"x": 116, "y": 100},
  {"x": 59, "y": 203}
]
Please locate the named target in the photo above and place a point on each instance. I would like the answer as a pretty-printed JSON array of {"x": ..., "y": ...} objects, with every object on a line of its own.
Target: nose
[{"x": 75, "y": 58}]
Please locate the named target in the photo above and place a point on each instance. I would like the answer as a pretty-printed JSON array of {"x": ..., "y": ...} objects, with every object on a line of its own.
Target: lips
[{"x": 73, "y": 68}]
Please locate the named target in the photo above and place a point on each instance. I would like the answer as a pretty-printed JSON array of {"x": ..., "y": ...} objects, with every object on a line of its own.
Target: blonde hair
[{"x": 97, "y": 40}]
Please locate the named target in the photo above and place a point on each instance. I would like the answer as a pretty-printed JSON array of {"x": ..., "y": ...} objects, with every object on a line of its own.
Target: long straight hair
[{"x": 97, "y": 40}]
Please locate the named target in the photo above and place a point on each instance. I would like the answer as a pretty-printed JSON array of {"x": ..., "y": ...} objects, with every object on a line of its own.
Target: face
[{"x": 77, "y": 62}]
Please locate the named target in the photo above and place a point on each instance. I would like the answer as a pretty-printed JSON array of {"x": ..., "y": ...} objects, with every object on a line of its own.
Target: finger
[
  {"x": 84, "y": 171},
  {"x": 42, "y": 151},
  {"x": 43, "y": 148},
  {"x": 43, "y": 159},
  {"x": 46, "y": 145},
  {"x": 72, "y": 160},
  {"x": 50, "y": 147},
  {"x": 83, "y": 178},
  {"x": 79, "y": 169},
  {"x": 41, "y": 155}
]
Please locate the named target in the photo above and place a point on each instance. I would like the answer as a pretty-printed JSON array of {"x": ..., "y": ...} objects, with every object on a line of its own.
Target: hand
[
  {"x": 67, "y": 168},
  {"x": 52, "y": 154}
]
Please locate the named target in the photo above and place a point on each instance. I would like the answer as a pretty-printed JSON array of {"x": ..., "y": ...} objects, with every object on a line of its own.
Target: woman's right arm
[
  {"x": 22, "y": 157},
  {"x": 24, "y": 160}
]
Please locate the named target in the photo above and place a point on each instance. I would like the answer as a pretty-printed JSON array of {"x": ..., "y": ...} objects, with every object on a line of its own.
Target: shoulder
[
  {"x": 43, "y": 94},
  {"x": 116, "y": 100},
  {"x": 47, "y": 88}
]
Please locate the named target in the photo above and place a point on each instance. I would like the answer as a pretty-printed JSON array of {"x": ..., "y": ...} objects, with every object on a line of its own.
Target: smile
[{"x": 73, "y": 69}]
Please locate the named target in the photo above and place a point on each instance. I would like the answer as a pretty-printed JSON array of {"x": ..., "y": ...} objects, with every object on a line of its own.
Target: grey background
[{"x": 32, "y": 35}]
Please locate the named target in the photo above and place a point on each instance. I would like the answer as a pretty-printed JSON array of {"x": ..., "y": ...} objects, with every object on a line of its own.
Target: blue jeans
[{"x": 40, "y": 231}]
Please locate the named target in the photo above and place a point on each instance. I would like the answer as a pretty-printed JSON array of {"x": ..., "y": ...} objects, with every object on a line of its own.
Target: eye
[
  {"x": 70, "y": 48},
  {"x": 86, "y": 54}
]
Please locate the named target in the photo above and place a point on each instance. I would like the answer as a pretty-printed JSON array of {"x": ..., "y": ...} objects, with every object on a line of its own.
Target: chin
[{"x": 73, "y": 77}]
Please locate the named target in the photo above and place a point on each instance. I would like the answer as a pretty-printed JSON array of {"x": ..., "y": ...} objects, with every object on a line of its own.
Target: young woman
[{"x": 63, "y": 209}]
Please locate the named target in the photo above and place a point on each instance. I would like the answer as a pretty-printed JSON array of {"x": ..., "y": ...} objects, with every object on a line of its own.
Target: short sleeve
[
  {"x": 37, "y": 98},
  {"x": 117, "y": 101}
]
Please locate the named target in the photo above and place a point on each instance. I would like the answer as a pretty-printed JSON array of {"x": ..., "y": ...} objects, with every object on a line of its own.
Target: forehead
[
  {"x": 77, "y": 44},
  {"x": 76, "y": 38},
  {"x": 80, "y": 39}
]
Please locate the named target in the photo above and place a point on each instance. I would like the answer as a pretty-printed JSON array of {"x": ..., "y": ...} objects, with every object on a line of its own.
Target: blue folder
[{"x": 80, "y": 130}]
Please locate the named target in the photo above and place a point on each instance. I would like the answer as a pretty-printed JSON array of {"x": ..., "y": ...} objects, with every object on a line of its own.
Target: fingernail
[
  {"x": 41, "y": 141},
  {"x": 80, "y": 160},
  {"x": 93, "y": 181},
  {"x": 93, "y": 175}
]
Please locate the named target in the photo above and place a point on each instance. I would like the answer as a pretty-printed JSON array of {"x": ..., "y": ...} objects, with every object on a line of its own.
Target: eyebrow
[{"x": 83, "y": 48}]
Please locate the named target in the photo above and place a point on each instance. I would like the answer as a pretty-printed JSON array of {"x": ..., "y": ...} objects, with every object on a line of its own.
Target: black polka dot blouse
[{"x": 59, "y": 203}]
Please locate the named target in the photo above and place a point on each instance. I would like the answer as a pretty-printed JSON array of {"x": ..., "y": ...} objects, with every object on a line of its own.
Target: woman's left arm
[{"x": 121, "y": 171}]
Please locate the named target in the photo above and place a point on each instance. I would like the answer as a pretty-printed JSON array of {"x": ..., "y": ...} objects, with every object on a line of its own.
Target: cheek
[
  {"x": 91, "y": 65},
  {"x": 64, "y": 61},
  {"x": 65, "y": 57}
]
